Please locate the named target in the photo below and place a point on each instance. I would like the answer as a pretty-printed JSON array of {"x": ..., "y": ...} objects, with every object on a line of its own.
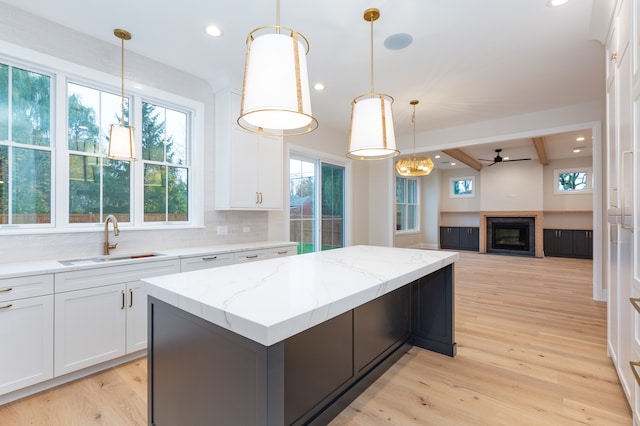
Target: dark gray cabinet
[
  {"x": 460, "y": 237},
  {"x": 568, "y": 243}
]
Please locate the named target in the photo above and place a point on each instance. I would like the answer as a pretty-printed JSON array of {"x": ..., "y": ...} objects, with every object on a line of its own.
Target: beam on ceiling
[
  {"x": 541, "y": 150},
  {"x": 463, "y": 157}
]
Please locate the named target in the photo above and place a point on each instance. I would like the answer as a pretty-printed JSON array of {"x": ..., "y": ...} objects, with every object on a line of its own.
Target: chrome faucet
[{"x": 108, "y": 246}]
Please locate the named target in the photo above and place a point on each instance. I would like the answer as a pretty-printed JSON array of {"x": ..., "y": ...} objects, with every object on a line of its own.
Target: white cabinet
[
  {"x": 249, "y": 166},
  {"x": 205, "y": 261},
  {"x": 101, "y": 314},
  {"x": 26, "y": 331}
]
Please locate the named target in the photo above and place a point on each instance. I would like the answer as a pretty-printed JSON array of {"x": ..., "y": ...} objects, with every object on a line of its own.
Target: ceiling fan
[{"x": 499, "y": 159}]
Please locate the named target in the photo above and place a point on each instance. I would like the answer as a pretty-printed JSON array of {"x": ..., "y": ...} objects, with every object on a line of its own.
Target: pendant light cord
[
  {"x": 122, "y": 98},
  {"x": 277, "y": 16},
  {"x": 372, "y": 91},
  {"x": 413, "y": 120}
]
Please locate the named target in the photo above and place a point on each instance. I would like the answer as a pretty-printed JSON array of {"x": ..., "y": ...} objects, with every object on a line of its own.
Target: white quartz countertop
[
  {"x": 271, "y": 300},
  {"x": 18, "y": 269}
]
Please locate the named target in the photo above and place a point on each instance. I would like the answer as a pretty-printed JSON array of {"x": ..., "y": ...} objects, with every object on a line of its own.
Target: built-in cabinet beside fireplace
[
  {"x": 460, "y": 237},
  {"x": 568, "y": 243}
]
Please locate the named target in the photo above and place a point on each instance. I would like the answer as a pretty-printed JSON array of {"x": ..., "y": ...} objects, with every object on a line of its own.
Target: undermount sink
[{"x": 109, "y": 258}]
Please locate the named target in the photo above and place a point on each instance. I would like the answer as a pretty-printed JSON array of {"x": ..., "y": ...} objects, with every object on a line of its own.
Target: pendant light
[
  {"x": 414, "y": 166},
  {"x": 371, "y": 135},
  {"x": 275, "y": 91},
  {"x": 121, "y": 146}
]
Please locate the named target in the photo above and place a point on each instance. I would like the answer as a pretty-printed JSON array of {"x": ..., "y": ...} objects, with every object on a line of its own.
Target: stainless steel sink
[{"x": 109, "y": 258}]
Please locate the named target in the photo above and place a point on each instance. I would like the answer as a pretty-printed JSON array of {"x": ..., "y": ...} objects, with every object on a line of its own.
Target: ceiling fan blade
[
  {"x": 519, "y": 159},
  {"x": 491, "y": 164}
]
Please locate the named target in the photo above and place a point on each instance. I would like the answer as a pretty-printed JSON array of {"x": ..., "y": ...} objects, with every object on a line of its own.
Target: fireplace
[
  {"x": 535, "y": 220},
  {"x": 511, "y": 235}
]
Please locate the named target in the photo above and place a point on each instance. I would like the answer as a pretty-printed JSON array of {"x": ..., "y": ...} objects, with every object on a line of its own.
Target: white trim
[{"x": 589, "y": 181}]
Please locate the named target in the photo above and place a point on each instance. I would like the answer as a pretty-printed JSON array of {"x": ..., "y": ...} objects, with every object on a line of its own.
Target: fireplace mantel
[{"x": 537, "y": 214}]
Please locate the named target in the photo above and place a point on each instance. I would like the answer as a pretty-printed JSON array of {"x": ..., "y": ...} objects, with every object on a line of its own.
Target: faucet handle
[{"x": 113, "y": 245}]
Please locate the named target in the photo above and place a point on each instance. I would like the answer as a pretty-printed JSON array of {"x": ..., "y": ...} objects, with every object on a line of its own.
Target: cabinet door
[
  {"x": 244, "y": 169},
  {"x": 136, "y": 316},
  {"x": 89, "y": 327},
  {"x": 270, "y": 180},
  {"x": 550, "y": 242},
  {"x": 450, "y": 237},
  {"x": 26, "y": 336},
  {"x": 583, "y": 244},
  {"x": 469, "y": 238}
]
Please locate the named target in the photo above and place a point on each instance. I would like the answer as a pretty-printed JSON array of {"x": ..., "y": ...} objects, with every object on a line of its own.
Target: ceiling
[{"x": 469, "y": 61}]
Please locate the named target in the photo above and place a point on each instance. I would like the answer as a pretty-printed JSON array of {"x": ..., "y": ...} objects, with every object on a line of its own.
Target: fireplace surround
[{"x": 512, "y": 239}]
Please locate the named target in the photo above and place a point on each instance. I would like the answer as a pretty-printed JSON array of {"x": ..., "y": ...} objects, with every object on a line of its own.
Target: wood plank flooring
[{"x": 531, "y": 351}]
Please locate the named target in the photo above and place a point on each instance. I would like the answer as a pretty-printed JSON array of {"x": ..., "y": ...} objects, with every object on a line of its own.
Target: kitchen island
[{"x": 291, "y": 340}]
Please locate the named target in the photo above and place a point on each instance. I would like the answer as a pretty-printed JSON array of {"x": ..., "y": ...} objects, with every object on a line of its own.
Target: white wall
[{"x": 511, "y": 186}]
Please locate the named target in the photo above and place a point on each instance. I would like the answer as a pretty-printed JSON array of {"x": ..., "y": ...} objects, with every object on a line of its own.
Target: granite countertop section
[
  {"x": 274, "y": 299},
  {"x": 18, "y": 269}
]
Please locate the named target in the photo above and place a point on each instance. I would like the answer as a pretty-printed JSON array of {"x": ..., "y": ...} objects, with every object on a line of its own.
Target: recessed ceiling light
[
  {"x": 505, "y": 158},
  {"x": 398, "y": 41},
  {"x": 453, "y": 164},
  {"x": 213, "y": 31},
  {"x": 556, "y": 3},
  {"x": 318, "y": 86},
  {"x": 576, "y": 150},
  {"x": 580, "y": 139},
  {"x": 437, "y": 156}
]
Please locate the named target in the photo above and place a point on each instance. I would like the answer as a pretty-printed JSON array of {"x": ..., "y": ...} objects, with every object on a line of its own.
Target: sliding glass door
[{"x": 316, "y": 200}]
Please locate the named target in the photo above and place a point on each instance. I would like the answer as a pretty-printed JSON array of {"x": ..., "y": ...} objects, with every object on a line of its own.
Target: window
[
  {"x": 87, "y": 185},
  {"x": 314, "y": 185},
  {"x": 407, "y": 204},
  {"x": 461, "y": 187},
  {"x": 572, "y": 181},
  {"x": 98, "y": 186},
  {"x": 164, "y": 153},
  {"x": 25, "y": 147}
]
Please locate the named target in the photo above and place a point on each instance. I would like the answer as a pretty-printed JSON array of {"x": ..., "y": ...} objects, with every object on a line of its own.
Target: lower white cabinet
[
  {"x": 103, "y": 315},
  {"x": 89, "y": 327},
  {"x": 26, "y": 342}
]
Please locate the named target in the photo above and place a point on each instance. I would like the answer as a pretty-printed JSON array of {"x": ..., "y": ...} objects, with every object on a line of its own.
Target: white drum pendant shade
[
  {"x": 372, "y": 136},
  {"x": 275, "y": 93},
  {"x": 121, "y": 145}
]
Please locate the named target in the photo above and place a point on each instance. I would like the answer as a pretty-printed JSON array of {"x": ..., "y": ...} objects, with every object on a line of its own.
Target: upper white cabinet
[{"x": 249, "y": 166}]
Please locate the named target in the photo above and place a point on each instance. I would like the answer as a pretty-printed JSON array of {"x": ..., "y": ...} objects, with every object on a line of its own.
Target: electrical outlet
[
  {"x": 222, "y": 230},
  {"x": 246, "y": 229}
]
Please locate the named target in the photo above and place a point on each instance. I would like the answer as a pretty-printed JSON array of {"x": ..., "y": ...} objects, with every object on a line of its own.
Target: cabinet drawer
[
  {"x": 22, "y": 287},
  {"x": 285, "y": 251},
  {"x": 252, "y": 256},
  {"x": 205, "y": 261},
  {"x": 89, "y": 278}
]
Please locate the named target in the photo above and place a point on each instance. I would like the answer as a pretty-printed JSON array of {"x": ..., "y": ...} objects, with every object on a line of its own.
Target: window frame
[
  {"x": 588, "y": 180},
  {"x": 452, "y": 183},
  {"x": 63, "y": 72},
  {"x": 406, "y": 204}
]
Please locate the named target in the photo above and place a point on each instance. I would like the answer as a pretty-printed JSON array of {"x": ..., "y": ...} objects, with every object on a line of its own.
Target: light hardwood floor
[{"x": 531, "y": 351}]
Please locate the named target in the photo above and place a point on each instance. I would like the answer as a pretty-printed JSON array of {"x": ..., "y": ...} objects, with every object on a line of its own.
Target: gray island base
[{"x": 201, "y": 373}]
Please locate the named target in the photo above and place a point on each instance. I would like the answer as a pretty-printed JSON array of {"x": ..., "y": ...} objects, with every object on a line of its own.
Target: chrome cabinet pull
[
  {"x": 130, "y": 297},
  {"x": 635, "y": 372},
  {"x": 252, "y": 256},
  {"x": 257, "y": 198},
  {"x": 122, "y": 305},
  {"x": 282, "y": 252},
  {"x": 6, "y": 306},
  {"x": 634, "y": 301},
  {"x": 261, "y": 198},
  {"x": 210, "y": 258},
  {"x": 6, "y": 290}
]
